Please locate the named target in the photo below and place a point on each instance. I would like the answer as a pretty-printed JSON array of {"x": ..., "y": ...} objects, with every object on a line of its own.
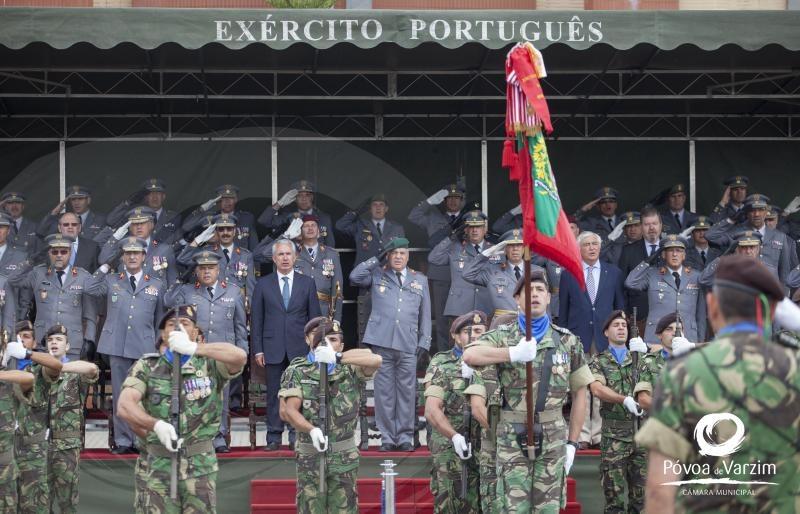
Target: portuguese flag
[{"x": 545, "y": 226}]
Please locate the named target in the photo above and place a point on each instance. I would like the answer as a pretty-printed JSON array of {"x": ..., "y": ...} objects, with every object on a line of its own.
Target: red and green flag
[{"x": 545, "y": 226}]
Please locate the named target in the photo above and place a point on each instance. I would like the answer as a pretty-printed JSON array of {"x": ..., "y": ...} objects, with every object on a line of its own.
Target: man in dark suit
[
  {"x": 84, "y": 250},
  {"x": 283, "y": 302},
  {"x": 634, "y": 253}
]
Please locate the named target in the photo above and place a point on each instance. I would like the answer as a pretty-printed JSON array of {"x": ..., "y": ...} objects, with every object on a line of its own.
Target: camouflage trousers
[
  {"x": 63, "y": 477},
  {"x": 487, "y": 470},
  {"x": 32, "y": 486},
  {"x": 197, "y": 495},
  {"x": 8, "y": 485},
  {"x": 341, "y": 496},
  {"x": 530, "y": 486},
  {"x": 622, "y": 463},
  {"x": 446, "y": 484}
]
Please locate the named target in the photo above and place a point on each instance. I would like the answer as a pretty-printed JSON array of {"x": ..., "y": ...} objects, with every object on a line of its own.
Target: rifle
[
  {"x": 175, "y": 416},
  {"x": 323, "y": 393},
  {"x": 467, "y": 413},
  {"x": 529, "y": 364},
  {"x": 635, "y": 359}
]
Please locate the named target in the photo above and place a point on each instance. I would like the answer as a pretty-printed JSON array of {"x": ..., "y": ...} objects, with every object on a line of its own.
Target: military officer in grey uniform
[
  {"x": 670, "y": 288},
  {"x": 603, "y": 222},
  {"x": 152, "y": 193},
  {"x": 10, "y": 260},
  {"x": 498, "y": 268},
  {"x": 698, "y": 252},
  {"x": 8, "y": 306},
  {"x": 732, "y": 199},
  {"x": 747, "y": 243},
  {"x": 236, "y": 263},
  {"x": 627, "y": 231},
  {"x": 438, "y": 224},
  {"x": 775, "y": 246},
  {"x": 675, "y": 217},
  {"x": 227, "y": 196},
  {"x": 508, "y": 221},
  {"x": 23, "y": 231},
  {"x": 77, "y": 200},
  {"x": 463, "y": 297},
  {"x": 219, "y": 307},
  {"x": 159, "y": 259},
  {"x": 314, "y": 259},
  {"x": 302, "y": 194},
  {"x": 399, "y": 330},
  {"x": 371, "y": 230},
  {"x": 134, "y": 305},
  {"x": 60, "y": 294}
]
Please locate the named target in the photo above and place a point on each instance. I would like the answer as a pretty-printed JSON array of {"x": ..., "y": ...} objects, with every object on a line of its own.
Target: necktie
[
  {"x": 678, "y": 219},
  {"x": 310, "y": 252},
  {"x": 611, "y": 224},
  {"x": 477, "y": 248},
  {"x": 399, "y": 277},
  {"x": 210, "y": 292},
  {"x": 677, "y": 279},
  {"x": 703, "y": 256},
  {"x": 60, "y": 277},
  {"x": 227, "y": 254},
  {"x": 15, "y": 228},
  {"x": 590, "y": 284},
  {"x": 380, "y": 232},
  {"x": 133, "y": 283},
  {"x": 652, "y": 249},
  {"x": 73, "y": 254},
  {"x": 285, "y": 292},
  {"x": 452, "y": 218},
  {"x": 517, "y": 272}
]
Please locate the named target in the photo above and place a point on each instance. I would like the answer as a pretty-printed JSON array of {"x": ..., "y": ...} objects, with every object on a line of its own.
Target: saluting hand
[
  {"x": 179, "y": 342},
  {"x": 209, "y": 204}
]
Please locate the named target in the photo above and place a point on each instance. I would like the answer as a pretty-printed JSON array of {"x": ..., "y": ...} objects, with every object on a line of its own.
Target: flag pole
[{"x": 529, "y": 364}]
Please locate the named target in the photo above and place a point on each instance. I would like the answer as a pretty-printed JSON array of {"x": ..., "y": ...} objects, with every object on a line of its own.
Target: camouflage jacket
[
  {"x": 651, "y": 367},
  {"x": 32, "y": 407},
  {"x": 743, "y": 375},
  {"x": 8, "y": 468},
  {"x": 67, "y": 398},
  {"x": 301, "y": 380},
  {"x": 202, "y": 382},
  {"x": 443, "y": 380},
  {"x": 618, "y": 423}
]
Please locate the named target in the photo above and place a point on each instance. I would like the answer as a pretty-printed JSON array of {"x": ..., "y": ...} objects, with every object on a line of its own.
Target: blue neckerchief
[
  {"x": 457, "y": 351},
  {"x": 618, "y": 353},
  {"x": 665, "y": 354},
  {"x": 64, "y": 360},
  {"x": 312, "y": 359},
  {"x": 539, "y": 327},
  {"x": 743, "y": 326},
  {"x": 22, "y": 364},
  {"x": 168, "y": 355}
]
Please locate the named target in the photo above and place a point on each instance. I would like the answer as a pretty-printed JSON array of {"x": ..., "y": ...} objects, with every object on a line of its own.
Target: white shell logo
[{"x": 704, "y": 430}]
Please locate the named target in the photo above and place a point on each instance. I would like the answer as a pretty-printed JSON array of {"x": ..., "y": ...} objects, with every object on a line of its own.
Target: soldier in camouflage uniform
[
  {"x": 67, "y": 398},
  {"x": 145, "y": 403},
  {"x": 445, "y": 381},
  {"x": 537, "y": 483},
  {"x": 616, "y": 375},
  {"x": 743, "y": 375},
  {"x": 299, "y": 406},
  {"x": 33, "y": 415}
]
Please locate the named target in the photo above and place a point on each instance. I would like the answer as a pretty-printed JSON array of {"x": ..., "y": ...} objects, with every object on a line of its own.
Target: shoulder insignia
[
  {"x": 412, "y": 271},
  {"x": 297, "y": 360},
  {"x": 49, "y": 271},
  {"x": 662, "y": 270},
  {"x": 147, "y": 277},
  {"x": 154, "y": 242},
  {"x": 197, "y": 284},
  {"x": 560, "y": 330},
  {"x": 74, "y": 271},
  {"x": 321, "y": 248},
  {"x": 223, "y": 284},
  {"x": 121, "y": 275},
  {"x": 687, "y": 269}
]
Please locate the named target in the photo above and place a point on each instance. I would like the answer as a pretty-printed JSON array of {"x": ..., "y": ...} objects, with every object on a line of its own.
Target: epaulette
[
  {"x": 74, "y": 271},
  {"x": 49, "y": 271},
  {"x": 197, "y": 284},
  {"x": 154, "y": 242},
  {"x": 121, "y": 275},
  {"x": 223, "y": 284},
  {"x": 411, "y": 270},
  {"x": 687, "y": 269},
  {"x": 238, "y": 250},
  {"x": 662, "y": 270},
  {"x": 147, "y": 277},
  {"x": 298, "y": 360},
  {"x": 321, "y": 247}
]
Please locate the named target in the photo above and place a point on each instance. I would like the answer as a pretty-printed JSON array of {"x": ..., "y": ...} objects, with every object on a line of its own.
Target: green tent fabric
[{"x": 279, "y": 29}]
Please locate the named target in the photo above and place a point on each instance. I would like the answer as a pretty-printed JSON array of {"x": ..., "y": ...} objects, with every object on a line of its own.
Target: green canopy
[{"x": 279, "y": 29}]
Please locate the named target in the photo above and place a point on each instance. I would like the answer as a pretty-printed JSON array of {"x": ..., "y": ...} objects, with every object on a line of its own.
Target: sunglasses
[
  {"x": 59, "y": 252},
  {"x": 70, "y": 224}
]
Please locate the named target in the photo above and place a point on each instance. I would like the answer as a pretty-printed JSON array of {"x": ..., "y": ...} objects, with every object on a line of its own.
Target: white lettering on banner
[{"x": 573, "y": 30}]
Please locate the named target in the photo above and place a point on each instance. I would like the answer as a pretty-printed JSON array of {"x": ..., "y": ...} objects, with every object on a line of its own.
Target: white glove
[
  {"x": 793, "y": 206},
  {"x": 437, "y": 197},
  {"x": 6, "y": 357},
  {"x": 466, "y": 371},
  {"x": 495, "y": 250},
  {"x": 121, "y": 231},
  {"x": 787, "y": 315},
  {"x": 209, "y": 204},
  {"x": 324, "y": 354},
  {"x": 525, "y": 351},
  {"x": 318, "y": 439},
  {"x": 681, "y": 345},
  {"x": 166, "y": 434},
  {"x": 686, "y": 234},
  {"x": 570, "y": 458},
  {"x": 288, "y": 197},
  {"x": 632, "y": 406},
  {"x": 462, "y": 449},
  {"x": 205, "y": 235},
  {"x": 179, "y": 342},
  {"x": 637, "y": 344},
  {"x": 516, "y": 210},
  {"x": 614, "y": 235},
  {"x": 16, "y": 349},
  {"x": 293, "y": 231}
]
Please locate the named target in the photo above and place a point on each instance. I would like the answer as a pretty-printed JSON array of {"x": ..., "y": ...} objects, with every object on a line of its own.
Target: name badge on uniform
[
  {"x": 461, "y": 264},
  {"x": 557, "y": 269},
  {"x": 494, "y": 259},
  {"x": 415, "y": 285},
  {"x": 660, "y": 295},
  {"x": 114, "y": 297}
]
